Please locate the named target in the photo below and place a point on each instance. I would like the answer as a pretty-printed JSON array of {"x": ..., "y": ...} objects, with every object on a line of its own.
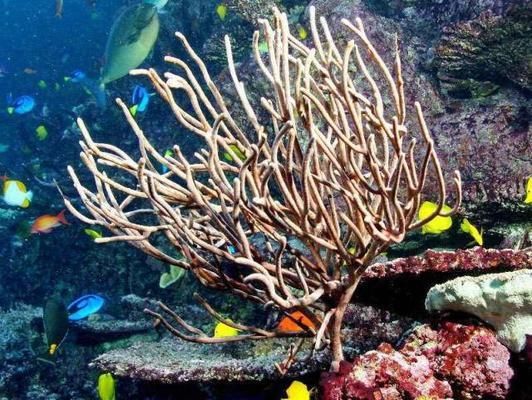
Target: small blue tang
[
  {"x": 140, "y": 99},
  {"x": 84, "y": 306},
  {"x": 77, "y": 76},
  {"x": 21, "y": 105}
]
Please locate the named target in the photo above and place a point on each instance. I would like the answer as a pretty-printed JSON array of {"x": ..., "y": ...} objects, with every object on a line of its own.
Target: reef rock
[
  {"x": 174, "y": 361},
  {"x": 503, "y": 300},
  {"x": 452, "y": 361}
]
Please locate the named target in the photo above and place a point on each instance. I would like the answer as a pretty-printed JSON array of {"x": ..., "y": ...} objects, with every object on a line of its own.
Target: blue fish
[
  {"x": 140, "y": 100},
  {"x": 84, "y": 306},
  {"x": 21, "y": 105},
  {"x": 78, "y": 76}
]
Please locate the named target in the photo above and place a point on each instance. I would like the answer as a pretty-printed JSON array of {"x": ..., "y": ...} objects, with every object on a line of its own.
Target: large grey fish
[{"x": 131, "y": 39}]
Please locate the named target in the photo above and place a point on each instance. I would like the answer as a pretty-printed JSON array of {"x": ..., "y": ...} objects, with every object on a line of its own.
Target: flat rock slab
[{"x": 175, "y": 361}]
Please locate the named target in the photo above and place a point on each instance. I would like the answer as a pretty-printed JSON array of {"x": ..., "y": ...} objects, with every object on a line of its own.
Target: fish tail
[
  {"x": 61, "y": 218},
  {"x": 29, "y": 195},
  {"x": 133, "y": 110}
]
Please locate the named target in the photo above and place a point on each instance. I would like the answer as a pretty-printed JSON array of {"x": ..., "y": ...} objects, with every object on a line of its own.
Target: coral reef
[
  {"x": 461, "y": 260},
  {"x": 503, "y": 300},
  {"x": 468, "y": 361}
]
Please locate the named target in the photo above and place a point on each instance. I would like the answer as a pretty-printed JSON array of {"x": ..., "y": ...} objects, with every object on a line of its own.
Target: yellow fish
[
  {"x": 302, "y": 32},
  {"x": 16, "y": 194},
  {"x": 93, "y": 233},
  {"x": 528, "y": 198},
  {"x": 221, "y": 10},
  {"x": 106, "y": 387},
  {"x": 239, "y": 153},
  {"x": 41, "y": 132},
  {"x": 297, "y": 391},
  {"x": 468, "y": 227},
  {"x": 438, "y": 224},
  {"x": 222, "y": 330}
]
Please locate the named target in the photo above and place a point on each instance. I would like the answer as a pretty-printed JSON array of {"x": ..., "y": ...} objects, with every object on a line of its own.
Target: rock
[
  {"x": 102, "y": 330},
  {"x": 451, "y": 361},
  {"x": 503, "y": 300},
  {"x": 173, "y": 361},
  {"x": 462, "y": 260}
]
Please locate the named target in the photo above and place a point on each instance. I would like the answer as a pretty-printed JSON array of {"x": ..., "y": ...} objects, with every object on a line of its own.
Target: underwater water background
[{"x": 481, "y": 112}]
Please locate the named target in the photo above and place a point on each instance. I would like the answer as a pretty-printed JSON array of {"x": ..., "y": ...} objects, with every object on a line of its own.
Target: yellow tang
[
  {"x": 239, "y": 153},
  {"x": 222, "y": 330},
  {"x": 221, "y": 10},
  {"x": 106, "y": 387},
  {"x": 297, "y": 391},
  {"x": 41, "y": 132},
  {"x": 302, "y": 32},
  {"x": 438, "y": 224},
  {"x": 468, "y": 227},
  {"x": 528, "y": 198},
  {"x": 93, "y": 233}
]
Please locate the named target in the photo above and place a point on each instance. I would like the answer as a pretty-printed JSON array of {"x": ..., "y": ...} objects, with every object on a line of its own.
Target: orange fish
[
  {"x": 287, "y": 323},
  {"x": 45, "y": 223}
]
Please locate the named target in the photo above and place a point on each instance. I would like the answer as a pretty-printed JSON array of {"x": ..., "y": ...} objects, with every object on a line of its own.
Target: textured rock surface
[
  {"x": 503, "y": 300},
  {"x": 475, "y": 259},
  {"x": 174, "y": 361},
  {"x": 489, "y": 122},
  {"x": 468, "y": 362}
]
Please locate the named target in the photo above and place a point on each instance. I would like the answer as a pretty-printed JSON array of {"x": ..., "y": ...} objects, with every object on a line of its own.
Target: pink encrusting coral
[
  {"x": 454, "y": 361},
  {"x": 475, "y": 259}
]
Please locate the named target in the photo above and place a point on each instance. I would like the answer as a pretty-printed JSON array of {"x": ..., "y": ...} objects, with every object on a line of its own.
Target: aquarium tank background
[{"x": 285, "y": 200}]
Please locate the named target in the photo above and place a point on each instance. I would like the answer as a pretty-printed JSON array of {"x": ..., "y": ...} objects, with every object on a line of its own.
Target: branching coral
[{"x": 302, "y": 201}]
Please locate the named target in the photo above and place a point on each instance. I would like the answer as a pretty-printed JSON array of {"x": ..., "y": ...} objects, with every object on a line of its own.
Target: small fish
[
  {"x": 438, "y": 224},
  {"x": 297, "y": 391},
  {"x": 84, "y": 306},
  {"x": 4, "y": 147},
  {"x": 55, "y": 320},
  {"x": 168, "y": 278},
  {"x": 167, "y": 153},
  {"x": 16, "y": 194},
  {"x": 468, "y": 227},
  {"x": 263, "y": 47},
  {"x": 21, "y": 105},
  {"x": 41, "y": 132},
  {"x": 77, "y": 76},
  {"x": 528, "y": 198},
  {"x": 221, "y": 10},
  {"x": 29, "y": 71},
  {"x": 302, "y": 32},
  {"x": 106, "y": 387},
  {"x": 42, "y": 84},
  {"x": 288, "y": 325},
  {"x": 45, "y": 223},
  {"x": 239, "y": 153},
  {"x": 93, "y": 233},
  {"x": 140, "y": 99},
  {"x": 59, "y": 8},
  {"x": 222, "y": 330}
]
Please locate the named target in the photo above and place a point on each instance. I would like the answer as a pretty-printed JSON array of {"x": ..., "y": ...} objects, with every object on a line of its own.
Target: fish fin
[
  {"x": 133, "y": 109},
  {"x": 21, "y": 186},
  {"x": 61, "y": 218},
  {"x": 25, "y": 203}
]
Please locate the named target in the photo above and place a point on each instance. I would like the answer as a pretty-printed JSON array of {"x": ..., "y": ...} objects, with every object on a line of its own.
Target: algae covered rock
[{"x": 503, "y": 300}]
